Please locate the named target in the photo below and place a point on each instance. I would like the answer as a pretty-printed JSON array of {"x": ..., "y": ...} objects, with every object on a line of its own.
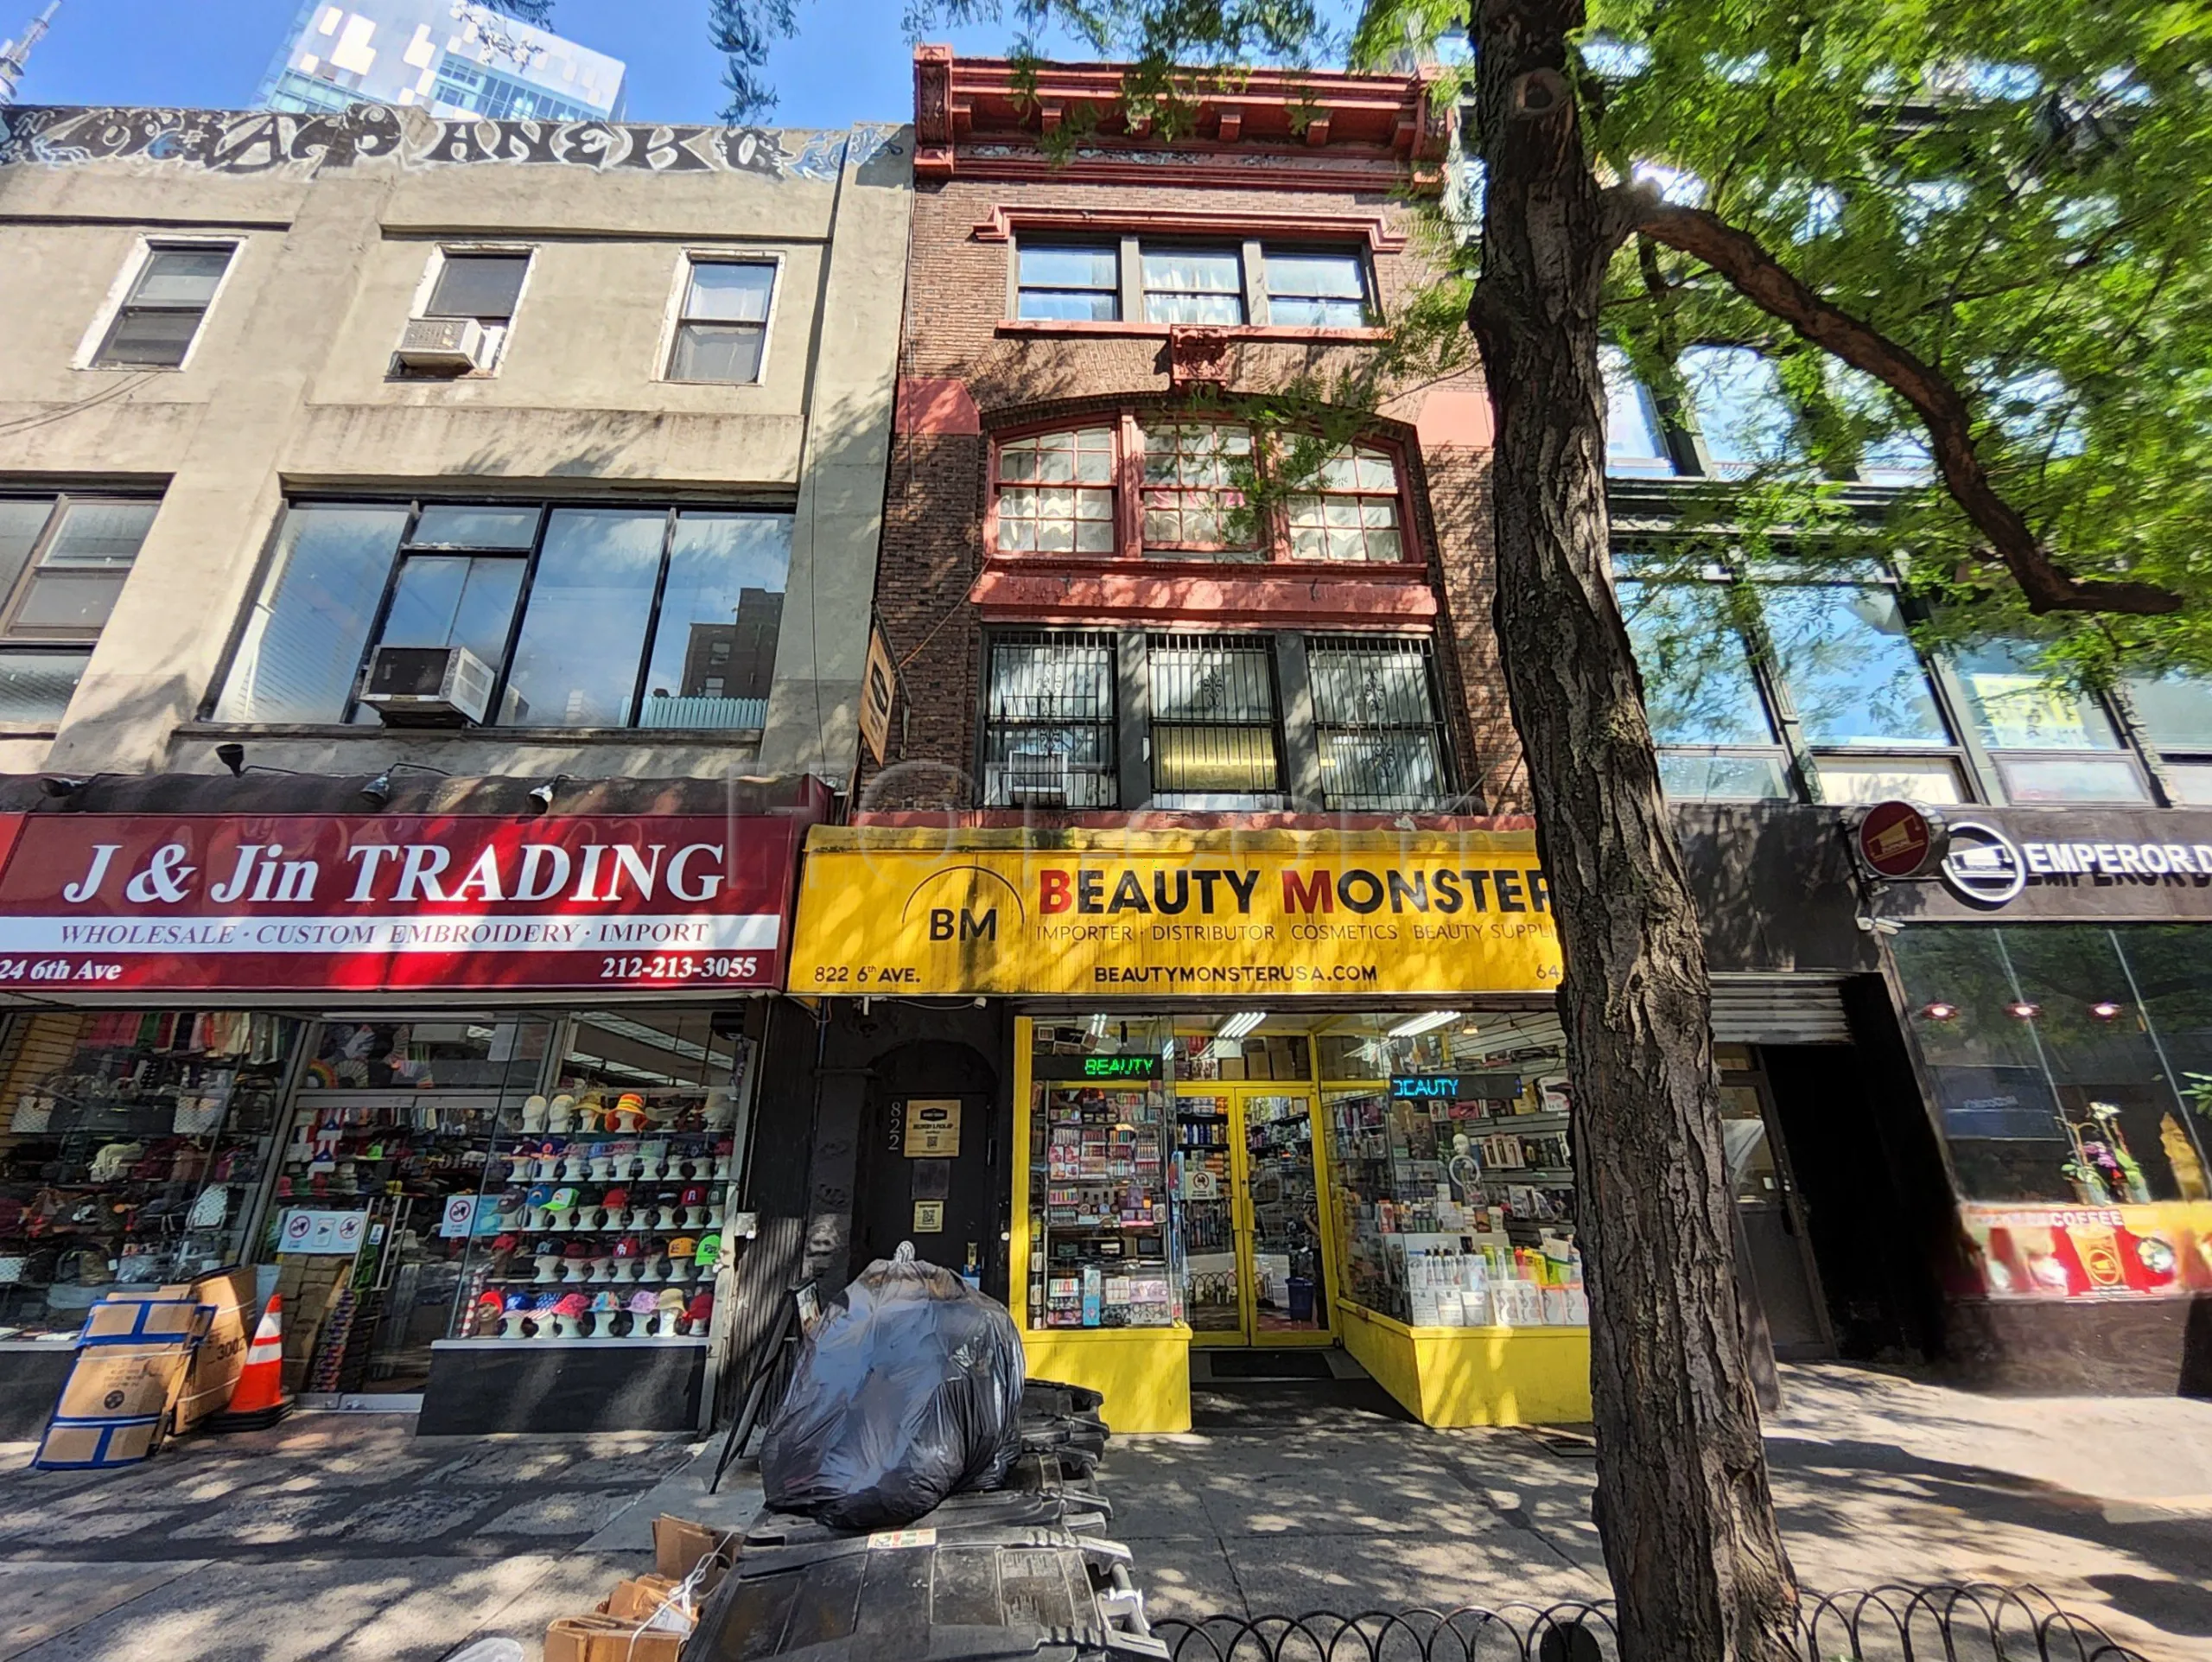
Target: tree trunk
[{"x": 1697, "y": 1563}]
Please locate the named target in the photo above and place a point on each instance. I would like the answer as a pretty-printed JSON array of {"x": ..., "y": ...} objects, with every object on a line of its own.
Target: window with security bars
[
  {"x": 1056, "y": 493},
  {"x": 1194, "y": 498},
  {"x": 1350, "y": 513},
  {"x": 1215, "y": 742},
  {"x": 1049, "y": 715},
  {"x": 1377, "y": 718}
]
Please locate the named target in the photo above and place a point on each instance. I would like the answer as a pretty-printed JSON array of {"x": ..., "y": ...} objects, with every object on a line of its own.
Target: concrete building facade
[{"x": 384, "y": 498}]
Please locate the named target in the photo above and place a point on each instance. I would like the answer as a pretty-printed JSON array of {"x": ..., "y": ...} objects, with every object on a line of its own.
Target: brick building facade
[{"x": 1250, "y": 177}]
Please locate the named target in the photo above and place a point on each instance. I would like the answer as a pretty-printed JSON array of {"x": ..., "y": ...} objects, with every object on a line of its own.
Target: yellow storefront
[{"x": 1270, "y": 1088}]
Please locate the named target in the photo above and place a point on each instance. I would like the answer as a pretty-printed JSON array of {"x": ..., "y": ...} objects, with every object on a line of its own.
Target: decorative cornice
[
  {"x": 1007, "y": 219},
  {"x": 1270, "y": 128}
]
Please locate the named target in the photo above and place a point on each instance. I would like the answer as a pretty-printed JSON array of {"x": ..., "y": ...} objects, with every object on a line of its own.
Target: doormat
[{"x": 1269, "y": 1365}]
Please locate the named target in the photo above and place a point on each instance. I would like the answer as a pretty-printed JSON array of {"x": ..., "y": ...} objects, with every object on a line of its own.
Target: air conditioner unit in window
[
  {"x": 1037, "y": 778},
  {"x": 455, "y": 345},
  {"x": 429, "y": 686}
]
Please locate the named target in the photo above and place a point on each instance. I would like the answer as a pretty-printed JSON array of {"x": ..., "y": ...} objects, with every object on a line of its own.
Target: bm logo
[
  {"x": 960, "y": 906},
  {"x": 943, "y": 923}
]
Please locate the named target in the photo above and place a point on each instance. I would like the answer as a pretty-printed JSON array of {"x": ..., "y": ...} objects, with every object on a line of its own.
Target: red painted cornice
[
  {"x": 1269, "y": 129},
  {"x": 1071, "y": 591}
]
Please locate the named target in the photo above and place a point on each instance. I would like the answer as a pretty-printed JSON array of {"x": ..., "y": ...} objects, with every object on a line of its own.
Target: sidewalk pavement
[{"x": 347, "y": 1536}]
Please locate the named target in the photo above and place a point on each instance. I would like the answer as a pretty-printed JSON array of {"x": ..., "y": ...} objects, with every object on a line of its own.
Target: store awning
[{"x": 1214, "y": 914}]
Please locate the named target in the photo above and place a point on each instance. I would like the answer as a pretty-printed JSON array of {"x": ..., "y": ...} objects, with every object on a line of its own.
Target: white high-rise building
[{"x": 451, "y": 57}]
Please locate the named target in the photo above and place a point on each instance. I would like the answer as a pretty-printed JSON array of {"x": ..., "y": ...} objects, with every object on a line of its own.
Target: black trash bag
[{"x": 907, "y": 1390}]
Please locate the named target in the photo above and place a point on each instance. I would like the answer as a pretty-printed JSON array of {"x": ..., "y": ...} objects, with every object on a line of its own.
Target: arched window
[{"x": 1168, "y": 486}]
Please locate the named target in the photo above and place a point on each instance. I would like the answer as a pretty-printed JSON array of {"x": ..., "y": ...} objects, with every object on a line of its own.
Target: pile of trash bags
[{"x": 908, "y": 1389}]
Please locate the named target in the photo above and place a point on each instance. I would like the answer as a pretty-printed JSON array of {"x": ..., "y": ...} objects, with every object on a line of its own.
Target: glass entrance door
[{"x": 1254, "y": 1202}]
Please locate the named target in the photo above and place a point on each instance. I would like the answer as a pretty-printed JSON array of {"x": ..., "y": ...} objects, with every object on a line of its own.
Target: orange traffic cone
[{"x": 258, "y": 1400}]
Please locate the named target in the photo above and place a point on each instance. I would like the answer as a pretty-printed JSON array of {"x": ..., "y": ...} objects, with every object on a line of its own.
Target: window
[
  {"x": 587, "y": 616},
  {"x": 63, "y": 561},
  {"x": 1375, "y": 706},
  {"x": 2059, "y": 1057},
  {"x": 1078, "y": 284},
  {"x": 1213, "y": 722},
  {"x": 1194, "y": 501},
  {"x": 1858, "y": 688},
  {"x": 1056, "y": 493},
  {"x": 1742, "y": 416},
  {"x": 723, "y": 326},
  {"x": 485, "y": 286},
  {"x": 1316, "y": 291},
  {"x": 1717, "y": 741},
  {"x": 1188, "y": 496},
  {"x": 2175, "y": 712},
  {"x": 155, "y": 328},
  {"x": 1193, "y": 285},
  {"x": 2050, "y": 742},
  {"x": 1220, "y": 285},
  {"x": 1635, "y": 447},
  {"x": 1049, "y": 726},
  {"x": 1352, "y": 515}
]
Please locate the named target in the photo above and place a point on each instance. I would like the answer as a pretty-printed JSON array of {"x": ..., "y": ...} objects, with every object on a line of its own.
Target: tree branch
[{"x": 1770, "y": 285}]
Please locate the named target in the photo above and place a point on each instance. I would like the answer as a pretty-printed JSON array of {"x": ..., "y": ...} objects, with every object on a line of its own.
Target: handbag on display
[
  {"x": 210, "y": 1210},
  {"x": 34, "y": 1115},
  {"x": 197, "y": 1115},
  {"x": 114, "y": 1160}
]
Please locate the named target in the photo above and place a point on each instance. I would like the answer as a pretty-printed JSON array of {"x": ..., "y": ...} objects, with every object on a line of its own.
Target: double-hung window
[
  {"x": 1379, "y": 722},
  {"x": 1049, "y": 738},
  {"x": 1078, "y": 283},
  {"x": 154, "y": 327},
  {"x": 721, "y": 326},
  {"x": 1316, "y": 291},
  {"x": 1214, "y": 734},
  {"x": 585, "y": 616},
  {"x": 1193, "y": 285},
  {"x": 482, "y": 284},
  {"x": 63, "y": 562}
]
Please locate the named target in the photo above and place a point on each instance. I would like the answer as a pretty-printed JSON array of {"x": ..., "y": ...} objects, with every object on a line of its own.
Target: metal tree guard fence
[{"x": 1970, "y": 1622}]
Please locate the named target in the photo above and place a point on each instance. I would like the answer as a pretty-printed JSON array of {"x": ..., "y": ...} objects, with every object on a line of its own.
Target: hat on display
[
  {"x": 709, "y": 1249},
  {"x": 541, "y": 1314},
  {"x": 518, "y": 1303},
  {"x": 490, "y": 1307},
  {"x": 615, "y": 1199},
  {"x": 683, "y": 1246},
  {"x": 629, "y": 1113},
  {"x": 540, "y": 1196},
  {"x": 564, "y": 1200},
  {"x": 643, "y": 1302},
  {"x": 672, "y": 1310},
  {"x": 699, "y": 1313},
  {"x": 591, "y": 1113},
  {"x": 573, "y": 1262}
]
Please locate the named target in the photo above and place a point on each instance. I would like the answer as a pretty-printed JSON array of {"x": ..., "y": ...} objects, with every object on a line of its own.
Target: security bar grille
[
  {"x": 1376, "y": 709},
  {"x": 1048, "y": 737},
  {"x": 1214, "y": 738}
]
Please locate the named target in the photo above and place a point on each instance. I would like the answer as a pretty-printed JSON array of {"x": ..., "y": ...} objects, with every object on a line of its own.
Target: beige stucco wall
[{"x": 287, "y": 389}]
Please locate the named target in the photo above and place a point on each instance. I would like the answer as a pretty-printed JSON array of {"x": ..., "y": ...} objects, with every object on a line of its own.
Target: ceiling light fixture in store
[
  {"x": 1240, "y": 1024},
  {"x": 2104, "y": 1010},
  {"x": 2023, "y": 1010},
  {"x": 1937, "y": 1010},
  {"x": 1436, "y": 1018}
]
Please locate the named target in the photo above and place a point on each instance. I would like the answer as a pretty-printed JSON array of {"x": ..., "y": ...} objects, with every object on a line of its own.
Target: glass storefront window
[
  {"x": 1451, "y": 1168},
  {"x": 132, "y": 1147},
  {"x": 2069, "y": 1063},
  {"x": 1103, "y": 1175},
  {"x": 607, "y": 1188}
]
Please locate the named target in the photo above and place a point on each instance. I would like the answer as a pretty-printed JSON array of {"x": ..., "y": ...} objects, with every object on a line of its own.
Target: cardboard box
[
  {"x": 225, "y": 1299},
  {"x": 679, "y": 1544},
  {"x": 72, "y": 1444},
  {"x": 145, "y": 1315},
  {"x": 639, "y": 1599},
  {"x": 123, "y": 1382},
  {"x": 602, "y": 1638}
]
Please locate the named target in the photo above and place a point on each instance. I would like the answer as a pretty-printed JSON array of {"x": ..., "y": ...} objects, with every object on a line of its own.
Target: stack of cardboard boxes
[
  {"x": 647, "y": 1618},
  {"x": 151, "y": 1362}
]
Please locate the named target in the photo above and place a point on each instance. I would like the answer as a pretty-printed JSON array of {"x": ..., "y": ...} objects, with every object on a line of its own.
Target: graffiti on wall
[{"x": 265, "y": 141}]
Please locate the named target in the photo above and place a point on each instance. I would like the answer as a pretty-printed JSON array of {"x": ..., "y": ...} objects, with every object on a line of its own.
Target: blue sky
[{"x": 849, "y": 62}]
